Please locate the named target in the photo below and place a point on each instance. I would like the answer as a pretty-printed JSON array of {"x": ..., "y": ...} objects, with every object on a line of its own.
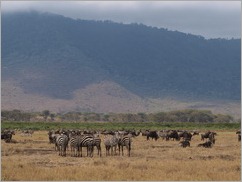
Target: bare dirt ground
[{"x": 33, "y": 158}]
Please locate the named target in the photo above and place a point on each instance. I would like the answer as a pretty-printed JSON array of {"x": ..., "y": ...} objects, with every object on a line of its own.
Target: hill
[{"x": 128, "y": 67}]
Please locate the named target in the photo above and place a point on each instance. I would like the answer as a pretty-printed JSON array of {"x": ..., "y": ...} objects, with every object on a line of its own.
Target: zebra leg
[
  {"x": 122, "y": 150},
  {"x": 100, "y": 151},
  {"x": 119, "y": 149},
  {"x": 59, "y": 150},
  {"x": 115, "y": 150},
  {"x": 78, "y": 151}
]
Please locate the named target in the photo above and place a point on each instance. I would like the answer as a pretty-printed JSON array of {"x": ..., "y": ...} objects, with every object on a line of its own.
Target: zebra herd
[{"x": 77, "y": 140}]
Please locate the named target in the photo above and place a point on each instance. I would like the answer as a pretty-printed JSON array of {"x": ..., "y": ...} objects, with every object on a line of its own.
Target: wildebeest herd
[{"x": 113, "y": 139}]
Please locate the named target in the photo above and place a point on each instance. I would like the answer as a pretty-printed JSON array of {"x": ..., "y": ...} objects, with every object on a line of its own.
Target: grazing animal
[
  {"x": 97, "y": 143},
  {"x": 173, "y": 134},
  {"x": 185, "y": 143},
  {"x": 153, "y": 135},
  {"x": 206, "y": 135},
  {"x": 7, "y": 135},
  {"x": 163, "y": 134},
  {"x": 134, "y": 133},
  {"x": 87, "y": 141},
  {"x": 124, "y": 141},
  {"x": 211, "y": 137},
  {"x": 145, "y": 133},
  {"x": 61, "y": 143},
  {"x": 207, "y": 144},
  {"x": 111, "y": 143},
  {"x": 74, "y": 145},
  {"x": 52, "y": 136},
  {"x": 185, "y": 135},
  {"x": 239, "y": 135}
]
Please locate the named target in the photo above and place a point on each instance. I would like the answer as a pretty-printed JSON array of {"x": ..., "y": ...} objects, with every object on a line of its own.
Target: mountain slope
[{"x": 53, "y": 56}]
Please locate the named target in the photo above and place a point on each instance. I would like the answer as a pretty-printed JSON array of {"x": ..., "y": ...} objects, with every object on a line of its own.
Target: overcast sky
[{"x": 211, "y": 19}]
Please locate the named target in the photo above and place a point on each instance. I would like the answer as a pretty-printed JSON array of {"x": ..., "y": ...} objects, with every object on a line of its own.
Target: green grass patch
[{"x": 120, "y": 125}]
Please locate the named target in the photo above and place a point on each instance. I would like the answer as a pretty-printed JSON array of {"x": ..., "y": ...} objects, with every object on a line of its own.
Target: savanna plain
[{"x": 33, "y": 158}]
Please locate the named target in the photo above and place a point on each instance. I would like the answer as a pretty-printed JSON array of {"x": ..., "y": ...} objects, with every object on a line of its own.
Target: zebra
[
  {"x": 97, "y": 143},
  {"x": 87, "y": 141},
  {"x": 111, "y": 142},
  {"x": 75, "y": 145},
  {"x": 61, "y": 143},
  {"x": 124, "y": 141}
]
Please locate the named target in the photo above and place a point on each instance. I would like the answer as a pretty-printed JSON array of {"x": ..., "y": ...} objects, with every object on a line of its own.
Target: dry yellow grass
[{"x": 34, "y": 159}]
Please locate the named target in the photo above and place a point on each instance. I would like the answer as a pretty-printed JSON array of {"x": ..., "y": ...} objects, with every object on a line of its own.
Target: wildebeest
[
  {"x": 207, "y": 144},
  {"x": 185, "y": 143},
  {"x": 153, "y": 135},
  {"x": 185, "y": 135},
  {"x": 206, "y": 135},
  {"x": 239, "y": 135},
  {"x": 172, "y": 134},
  {"x": 6, "y": 135},
  {"x": 211, "y": 137}
]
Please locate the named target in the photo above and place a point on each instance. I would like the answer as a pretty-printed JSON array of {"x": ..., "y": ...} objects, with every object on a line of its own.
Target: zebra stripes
[
  {"x": 97, "y": 143},
  {"x": 75, "y": 145},
  {"x": 110, "y": 143},
  {"x": 87, "y": 141},
  {"x": 61, "y": 143},
  {"x": 124, "y": 141},
  {"x": 76, "y": 141}
]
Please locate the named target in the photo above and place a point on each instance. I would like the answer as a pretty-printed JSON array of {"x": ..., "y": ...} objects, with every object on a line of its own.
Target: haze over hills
[{"x": 58, "y": 63}]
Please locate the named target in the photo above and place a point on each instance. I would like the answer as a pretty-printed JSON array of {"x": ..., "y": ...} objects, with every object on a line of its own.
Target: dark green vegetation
[
  {"x": 184, "y": 119},
  {"x": 192, "y": 116},
  {"x": 53, "y": 56},
  {"x": 120, "y": 125}
]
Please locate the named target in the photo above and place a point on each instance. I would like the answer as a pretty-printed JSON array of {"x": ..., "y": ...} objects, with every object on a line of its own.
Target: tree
[
  {"x": 46, "y": 113},
  {"x": 52, "y": 116}
]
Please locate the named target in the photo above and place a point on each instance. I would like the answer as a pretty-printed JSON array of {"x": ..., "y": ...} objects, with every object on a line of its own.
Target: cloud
[{"x": 210, "y": 19}]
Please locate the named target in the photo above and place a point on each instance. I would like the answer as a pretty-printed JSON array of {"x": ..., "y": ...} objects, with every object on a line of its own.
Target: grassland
[
  {"x": 33, "y": 158},
  {"x": 120, "y": 125}
]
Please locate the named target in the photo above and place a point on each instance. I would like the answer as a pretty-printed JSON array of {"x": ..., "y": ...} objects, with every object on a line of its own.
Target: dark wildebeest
[
  {"x": 153, "y": 135},
  {"x": 211, "y": 137},
  {"x": 207, "y": 144},
  {"x": 172, "y": 134},
  {"x": 206, "y": 135},
  {"x": 185, "y": 135},
  {"x": 239, "y": 135},
  {"x": 7, "y": 135},
  {"x": 185, "y": 143}
]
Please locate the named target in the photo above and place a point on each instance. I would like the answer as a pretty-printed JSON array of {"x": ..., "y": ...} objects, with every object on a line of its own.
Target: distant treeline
[{"x": 189, "y": 115}]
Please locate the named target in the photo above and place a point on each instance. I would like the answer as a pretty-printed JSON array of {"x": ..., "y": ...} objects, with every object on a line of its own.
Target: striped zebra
[
  {"x": 110, "y": 143},
  {"x": 61, "y": 143},
  {"x": 87, "y": 141},
  {"x": 97, "y": 143},
  {"x": 74, "y": 143},
  {"x": 124, "y": 141}
]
